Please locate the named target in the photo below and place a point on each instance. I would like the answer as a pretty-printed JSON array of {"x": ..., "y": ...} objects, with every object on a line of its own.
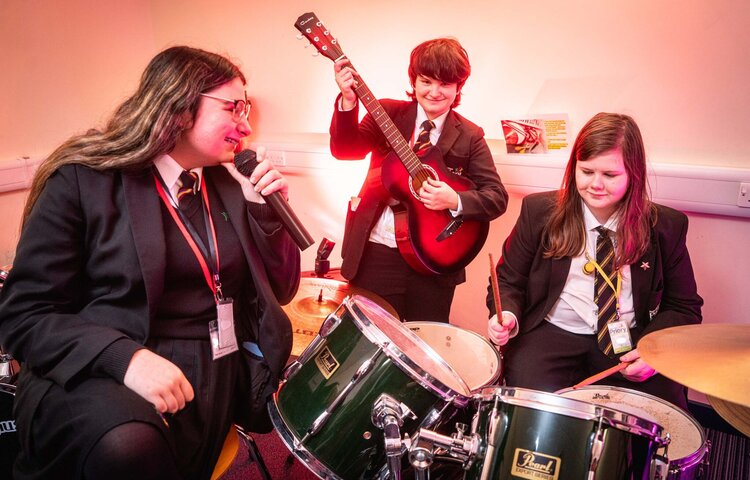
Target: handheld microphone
[{"x": 246, "y": 161}]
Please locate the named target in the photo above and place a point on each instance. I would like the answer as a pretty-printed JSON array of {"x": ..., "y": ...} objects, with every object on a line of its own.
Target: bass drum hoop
[
  {"x": 554, "y": 403},
  {"x": 678, "y": 464}
]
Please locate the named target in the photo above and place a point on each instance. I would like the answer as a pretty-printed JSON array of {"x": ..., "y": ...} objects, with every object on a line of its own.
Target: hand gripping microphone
[{"x": 246, "y": 161}]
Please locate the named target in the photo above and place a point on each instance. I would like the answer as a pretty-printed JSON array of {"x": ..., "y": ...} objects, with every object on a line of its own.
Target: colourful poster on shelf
[{"x": 543, "y": 134}]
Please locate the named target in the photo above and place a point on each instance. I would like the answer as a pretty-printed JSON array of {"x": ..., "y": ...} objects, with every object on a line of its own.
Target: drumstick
[
  {"x": 495, "y": 289},
  {"x": 600, "y": 375},
  {"x": 499, "y": 310}
]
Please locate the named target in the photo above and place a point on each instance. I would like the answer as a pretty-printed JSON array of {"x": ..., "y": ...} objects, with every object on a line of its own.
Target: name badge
[
  {"x": 221, "y": 330},
  {"x": 619, "y": 335}
]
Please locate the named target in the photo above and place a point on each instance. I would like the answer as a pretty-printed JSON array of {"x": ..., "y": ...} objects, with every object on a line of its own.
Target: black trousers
[
  {"x": 549, "y": 359},
  {"x": 414, "y": 296}
]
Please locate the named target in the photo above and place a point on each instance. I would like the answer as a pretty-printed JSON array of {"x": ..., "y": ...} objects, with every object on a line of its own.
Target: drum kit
[
  {"x": 371, "y": 397},
  {"x": 367, "y": 396}
]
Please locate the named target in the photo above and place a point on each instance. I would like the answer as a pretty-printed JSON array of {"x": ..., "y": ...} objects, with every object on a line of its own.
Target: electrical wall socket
[
  {"x": 743, "y": 198},
  {"x": 277, "y": 157}
]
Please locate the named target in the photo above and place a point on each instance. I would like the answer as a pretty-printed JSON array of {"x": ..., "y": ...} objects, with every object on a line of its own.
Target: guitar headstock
[{"x": 318, "y": 35}]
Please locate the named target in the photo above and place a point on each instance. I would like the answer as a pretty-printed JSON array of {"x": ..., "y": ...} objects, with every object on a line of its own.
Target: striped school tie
[
  {"x": 603, "y": 294},
  {"x": 188, "y": 187},
  {"x": 423, "y": 140}
]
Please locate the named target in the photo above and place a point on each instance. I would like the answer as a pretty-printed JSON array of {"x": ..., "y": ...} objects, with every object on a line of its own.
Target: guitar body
[{"x": 418, "y": 227}]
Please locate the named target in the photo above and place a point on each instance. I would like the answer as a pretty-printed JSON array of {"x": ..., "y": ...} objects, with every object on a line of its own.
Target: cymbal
[
  {"x": 713, "y": 359},
  {"x": 315, "y": 299},
  {"x": 737, "y": 415}
]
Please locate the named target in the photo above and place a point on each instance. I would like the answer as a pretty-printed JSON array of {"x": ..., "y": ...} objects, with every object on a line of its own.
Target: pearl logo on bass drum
[{"x": 535, "y": 465}]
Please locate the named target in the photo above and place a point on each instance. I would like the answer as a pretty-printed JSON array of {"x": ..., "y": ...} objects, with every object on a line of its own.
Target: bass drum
[
  {"x": 688, "y": 449},
  {"x": 362, "y": 364},
  {"x": 9, "y": 445}
]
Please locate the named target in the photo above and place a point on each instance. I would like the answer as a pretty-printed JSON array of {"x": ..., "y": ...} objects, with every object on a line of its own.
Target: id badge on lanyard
[{"x": 221, "y": 331}]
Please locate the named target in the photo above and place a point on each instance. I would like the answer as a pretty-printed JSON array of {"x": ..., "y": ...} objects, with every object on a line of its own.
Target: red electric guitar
[{"x": 431, "y": 241}]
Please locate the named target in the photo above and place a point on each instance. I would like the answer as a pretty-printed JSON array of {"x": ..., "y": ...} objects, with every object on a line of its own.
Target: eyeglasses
[{"x": 241, "y": 108}]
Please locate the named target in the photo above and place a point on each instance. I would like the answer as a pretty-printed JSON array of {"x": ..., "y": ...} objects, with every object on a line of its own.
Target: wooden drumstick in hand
[
  {"x": 600, "y": 375},
  {"x": 495, "y": 289}
]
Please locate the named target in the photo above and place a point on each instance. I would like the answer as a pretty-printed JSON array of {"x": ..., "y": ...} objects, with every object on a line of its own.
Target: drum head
[
  {"x": 470, "y": 354},
  {"x": 404, "y": 347},
  {"x": 687, "y": 436}
]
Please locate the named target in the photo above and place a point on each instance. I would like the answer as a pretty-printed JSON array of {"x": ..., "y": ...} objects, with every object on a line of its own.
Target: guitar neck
[{"x": 397, "y": 141}]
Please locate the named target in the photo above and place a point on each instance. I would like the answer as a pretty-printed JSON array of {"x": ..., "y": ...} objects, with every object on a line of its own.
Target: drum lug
[
  {"x": 596, "y": 449},
  {"x": 329, "y": 324},
  {"x": 659, "y": 468}
]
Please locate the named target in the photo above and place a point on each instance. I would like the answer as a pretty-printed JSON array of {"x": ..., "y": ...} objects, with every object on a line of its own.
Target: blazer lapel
[
  {"x": 404, "y": 119},
  {"x": 450, "y": 133},
  {"x": 642, "y": 273},
  {"x": 558, "y": 274},
  {"x": 220, "y": 183},
  {"x": 144, "y": 209}
]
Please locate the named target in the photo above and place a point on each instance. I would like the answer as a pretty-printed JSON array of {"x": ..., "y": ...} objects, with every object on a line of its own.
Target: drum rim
[
  {"x": 301, "y": 452},
  {"x": 576, "y": 408},
  {"x": 474, "y": 334},
  {"x": 686, "y": 461},
  {"x": 400, "y": 359}
]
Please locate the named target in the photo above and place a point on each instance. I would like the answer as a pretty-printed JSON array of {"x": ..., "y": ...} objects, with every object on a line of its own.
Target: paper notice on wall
[{"x": 542, "y": 134}]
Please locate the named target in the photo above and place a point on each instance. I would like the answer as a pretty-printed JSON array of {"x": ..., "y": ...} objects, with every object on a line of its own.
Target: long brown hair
[
  {"x": 565, "y": 231},
  {"x": 443, "y": 59},
  {"x": 148, "y": 123}
]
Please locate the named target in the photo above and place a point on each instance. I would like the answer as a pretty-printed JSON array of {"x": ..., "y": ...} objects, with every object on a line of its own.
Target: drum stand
[
  {"x": 388, "y": 414},
  {"x": 459, "y": 446},
  {"x": 7, "y": 368}
]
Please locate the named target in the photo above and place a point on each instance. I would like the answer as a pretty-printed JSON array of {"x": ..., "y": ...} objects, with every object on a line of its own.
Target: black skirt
[{"x": 59, "y": 432}]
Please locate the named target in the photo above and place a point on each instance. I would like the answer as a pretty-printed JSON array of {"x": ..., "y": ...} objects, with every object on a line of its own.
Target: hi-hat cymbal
[
  {"x": 315, "y": 299},
  {"x": 713, "y": 359}
]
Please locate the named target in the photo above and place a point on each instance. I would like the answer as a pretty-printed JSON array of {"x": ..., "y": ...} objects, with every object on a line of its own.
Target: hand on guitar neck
[{"x": 347, "y": 81}]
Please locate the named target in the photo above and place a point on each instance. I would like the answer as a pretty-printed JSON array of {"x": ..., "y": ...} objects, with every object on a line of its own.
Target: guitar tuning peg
[
  {"x": 299, "y": 36},
  {"x": 316, "y": 54}
]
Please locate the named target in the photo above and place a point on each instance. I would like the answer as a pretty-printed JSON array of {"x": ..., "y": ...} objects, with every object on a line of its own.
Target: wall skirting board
[{"x": 690, "y": 188}]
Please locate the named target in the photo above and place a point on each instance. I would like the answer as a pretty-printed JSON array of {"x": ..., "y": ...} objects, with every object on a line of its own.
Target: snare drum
[
  {"x": 362, "y": 357},
  {"x": 470, "y": 354},
  {"x": 688, "y": 449},
  {"x": 9, "y": 445},
  {"x": 537, "y": 435}
]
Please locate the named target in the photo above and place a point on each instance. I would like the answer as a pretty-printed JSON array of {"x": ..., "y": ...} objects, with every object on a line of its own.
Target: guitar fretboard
[{"x": 396, "y": 140}]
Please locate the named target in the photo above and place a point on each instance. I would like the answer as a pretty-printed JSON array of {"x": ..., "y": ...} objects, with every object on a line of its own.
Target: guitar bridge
[{"x": 450, "y": 229}]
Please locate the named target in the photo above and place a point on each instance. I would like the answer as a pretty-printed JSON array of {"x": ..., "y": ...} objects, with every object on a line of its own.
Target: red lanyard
[{"x": 212, "y": 280}]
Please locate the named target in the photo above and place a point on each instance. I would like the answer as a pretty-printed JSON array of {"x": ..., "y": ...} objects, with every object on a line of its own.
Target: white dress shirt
[
  {"x": 170, "y": 172},
  {"x": 576, "y": 310}
]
